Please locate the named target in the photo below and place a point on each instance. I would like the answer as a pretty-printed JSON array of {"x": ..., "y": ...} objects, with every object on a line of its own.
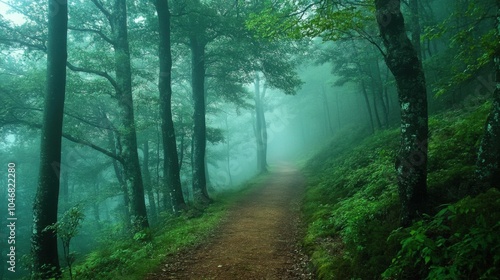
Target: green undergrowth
[
  {"x": 352, "y": 207},
  {"x": 133, "y": 258}
]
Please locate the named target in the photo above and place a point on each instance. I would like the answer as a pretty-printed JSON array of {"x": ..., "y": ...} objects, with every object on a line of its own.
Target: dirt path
[{"x": 257, "y": 240}]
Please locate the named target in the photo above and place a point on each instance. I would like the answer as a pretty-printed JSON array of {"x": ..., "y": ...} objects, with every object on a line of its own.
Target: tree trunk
[
  {"x": 115, "y": 144},
  {"x": 200, "y": 192},
  {"x": 327, "y": 111},
  {"x": 402, "y": 60},
  {"x": 132, "y": 168},
  {"x": 368, "y": 107},
  {"x": 488, "y": 159},
  {"x": 260, "y": 128},
  {"x": 171, "y": 169},
  {"x": 228, "y": 155},
  {"x": 44, "y": 243},
  {"x": 380, "y": 93},
  {"x": 147, "y": 182}
]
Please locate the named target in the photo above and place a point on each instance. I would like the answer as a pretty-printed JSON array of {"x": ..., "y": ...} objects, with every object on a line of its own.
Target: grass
[
  {"x": 352, "y": 206},
  {"x": 126, "y": 258}
]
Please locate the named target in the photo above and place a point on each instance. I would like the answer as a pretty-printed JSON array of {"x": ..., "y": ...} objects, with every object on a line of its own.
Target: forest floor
[{"x": 258, "y": 239}]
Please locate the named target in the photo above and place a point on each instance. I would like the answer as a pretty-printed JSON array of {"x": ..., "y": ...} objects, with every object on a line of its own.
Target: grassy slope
[
  {"x": 352, "y": 207},
  {"x": 123, "y": 258}
]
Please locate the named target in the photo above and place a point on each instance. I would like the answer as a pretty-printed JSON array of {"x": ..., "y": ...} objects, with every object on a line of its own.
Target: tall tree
[
  {"x": 132, "y": 168},
  {"x": 44, "y": 242},
  {"x": 403, "y": 61},
  {"x": 488, "y": 160},
  {"x": 171, "y": 168}
]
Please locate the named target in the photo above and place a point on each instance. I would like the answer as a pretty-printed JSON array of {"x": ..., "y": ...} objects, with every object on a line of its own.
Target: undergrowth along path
[{"x": 257, "y": 240}]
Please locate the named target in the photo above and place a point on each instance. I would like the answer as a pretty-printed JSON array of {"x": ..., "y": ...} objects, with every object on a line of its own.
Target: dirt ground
[{"x": 257, "y": 240}]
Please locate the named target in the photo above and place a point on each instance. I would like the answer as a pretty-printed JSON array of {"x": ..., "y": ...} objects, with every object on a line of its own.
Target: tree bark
[
  {"x": 488, "y": 159},
  {"x": 200, "y": 192},
  {"x": 403, "y": 61},
  {"x": 44, "y": 242},
  {"x": 132, "y": 168},
  {"x": 171, "y": 169}
]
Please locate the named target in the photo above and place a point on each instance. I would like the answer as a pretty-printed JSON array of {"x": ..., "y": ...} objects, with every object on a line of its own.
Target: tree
[
  {"x": 403, "y": 61},
  {"x": 124, "y": 95},
  {"x": 260, "y": 127},
  {"x": 44, "y": 241},
  {"x": 488, "y": 159},
  {"x": 122, "y": 85},
  {"x": 171, "y": 168}
]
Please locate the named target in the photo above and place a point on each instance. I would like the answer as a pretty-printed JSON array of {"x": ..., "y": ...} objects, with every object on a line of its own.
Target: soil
[{"x": 258, "y": 239}]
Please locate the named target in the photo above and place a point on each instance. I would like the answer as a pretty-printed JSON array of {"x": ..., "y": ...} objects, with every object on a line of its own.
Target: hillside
[{"x": 352, "y": 207}]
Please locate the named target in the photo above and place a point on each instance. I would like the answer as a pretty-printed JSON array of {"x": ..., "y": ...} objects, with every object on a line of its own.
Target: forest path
[{"x": 258, "y": 239}]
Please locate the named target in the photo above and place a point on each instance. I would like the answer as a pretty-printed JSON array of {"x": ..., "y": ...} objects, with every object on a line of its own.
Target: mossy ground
[{"x": 352, "y": 206}]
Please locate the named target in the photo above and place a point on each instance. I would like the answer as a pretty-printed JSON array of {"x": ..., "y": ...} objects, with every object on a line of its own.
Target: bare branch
[{"x": 103, "y": 10}]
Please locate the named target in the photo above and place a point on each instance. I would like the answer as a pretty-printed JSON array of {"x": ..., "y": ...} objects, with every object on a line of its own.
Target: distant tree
[
  {"x": 402, "y": 59},
  {"x": 260, "y": 127},
  {"x": 44, "y": 241}
]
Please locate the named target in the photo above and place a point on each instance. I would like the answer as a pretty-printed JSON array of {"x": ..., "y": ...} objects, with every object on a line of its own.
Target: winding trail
[{"x": 257, "y": 240}]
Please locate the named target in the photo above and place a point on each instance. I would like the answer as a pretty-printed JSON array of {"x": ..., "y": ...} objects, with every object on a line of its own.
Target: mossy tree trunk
[
  {"x": 44, "y": 242},
  {"x": 402, "y": 59}
]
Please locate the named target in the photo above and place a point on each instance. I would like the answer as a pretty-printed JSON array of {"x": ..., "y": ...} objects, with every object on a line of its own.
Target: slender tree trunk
[
  {"x": 403, "y": 61},
  {"x": 200, "y": 192},
  {"x": 44, "y": 242},
  {"x": 147, "y": 182},
  {"x": 327, "y": 110},
  {"x": 338, "y": 109},
  {"x": 488, "y": 159},
  {"x": 65, "y": 186},
  {"x": 228, "y": 154},
  {"x": 132, "y": 168},
  {"x": 368, "y": 107},
  {"x": 375, "y": 108},
  {"x": 171, "y": 169},
  {"x": 260, "y": 125},
  {"x": 115, "y": 144},
  {"x": 380, "y": 93}
]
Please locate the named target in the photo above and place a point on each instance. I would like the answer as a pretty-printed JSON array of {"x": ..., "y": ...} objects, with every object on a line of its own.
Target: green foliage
[
  {"x": 352, "y": 207},
  {"x": 452, "y": 152},
  {"x": 462, "y": 241},
  {"x": 67, "y": 228},
  {"x": 133, "y": 259}
]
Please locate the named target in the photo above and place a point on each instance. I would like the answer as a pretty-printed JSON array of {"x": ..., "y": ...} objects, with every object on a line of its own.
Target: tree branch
[
  {"x": 95, "y": 72},
  {"x": 103, "y": 10},
  {"x": 98, "y": 32},
  {"x": 73, "y": 139}
]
